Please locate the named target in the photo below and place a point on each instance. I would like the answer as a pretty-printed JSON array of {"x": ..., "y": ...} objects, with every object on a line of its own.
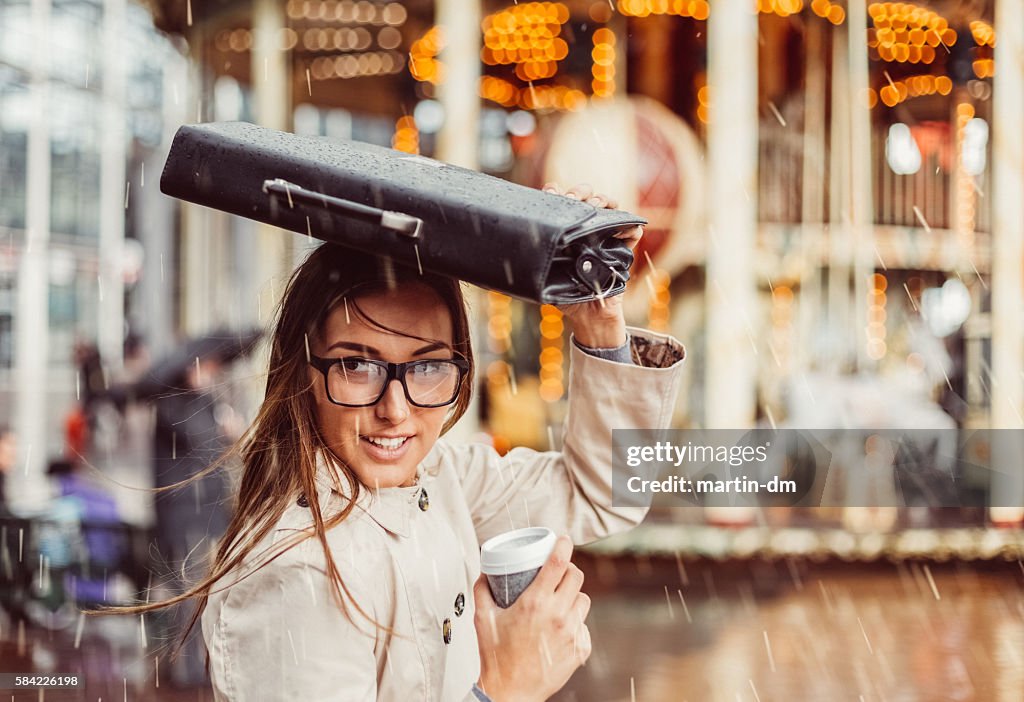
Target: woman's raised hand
[
  {"x": 600, "y": 323},
  {"x": 530, "y": 650}
]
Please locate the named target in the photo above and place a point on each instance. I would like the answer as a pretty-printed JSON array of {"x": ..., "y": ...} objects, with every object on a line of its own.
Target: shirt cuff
[
  {"x": 480, "y": 695},
  {"x": 620, "y": 354}
]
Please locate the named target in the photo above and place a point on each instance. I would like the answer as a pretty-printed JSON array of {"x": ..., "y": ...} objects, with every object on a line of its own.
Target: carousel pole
[
  {"x": 730, "y": 392},
  {"x": 882, "y": 516},
  {"x": 732, "y": 162},
  {"x": 859, "y": 145},
  {"x": 1007, "y": 259},
  {"x": 839, "y": 234},
  {"x": 458, "y": 142},
  {"x": 459, "y": 93},
  {"x": 812, "y": 216},
  {"x": 272, "y": 102}
]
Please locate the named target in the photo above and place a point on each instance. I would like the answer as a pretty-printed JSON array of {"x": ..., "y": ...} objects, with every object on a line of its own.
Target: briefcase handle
[{"x": 399, "y": 222}]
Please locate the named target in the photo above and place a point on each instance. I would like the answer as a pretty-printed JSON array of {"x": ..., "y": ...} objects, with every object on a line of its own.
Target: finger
[
  {"x": 569, "y": 588},
  {"x": 581, "y": 607},
  {"x": 584, "y": 645},
  {"x": 554, "y": 568},
  {"x": 583, "y": 191},
  {"x": 552, "y": 188},
  {"x": 631, "y": 233},
  {"x": 598, "y": 201},
  {"x": 570, "y": 584},
  {"x": 632, "y": 236},
  {"x": 579, "y": 626},
  {"x": 613, "y": 204}
]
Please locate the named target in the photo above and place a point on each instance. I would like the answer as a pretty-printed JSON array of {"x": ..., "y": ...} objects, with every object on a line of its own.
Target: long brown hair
[{"x": 279, "y": 449}]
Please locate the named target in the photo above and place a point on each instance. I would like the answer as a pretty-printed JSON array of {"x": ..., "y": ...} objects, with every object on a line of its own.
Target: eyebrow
[{"x": 433, "y": 346}]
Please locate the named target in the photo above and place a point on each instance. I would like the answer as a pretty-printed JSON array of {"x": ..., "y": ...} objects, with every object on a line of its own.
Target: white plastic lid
[{"x": 516, "y": 551}]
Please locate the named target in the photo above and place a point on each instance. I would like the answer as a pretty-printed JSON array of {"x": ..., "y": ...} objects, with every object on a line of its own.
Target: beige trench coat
[{"x": 410, "y": 555}]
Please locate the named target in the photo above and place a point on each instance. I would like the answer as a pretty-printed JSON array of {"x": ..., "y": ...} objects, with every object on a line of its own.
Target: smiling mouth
[{"x": 386, "y": 443}]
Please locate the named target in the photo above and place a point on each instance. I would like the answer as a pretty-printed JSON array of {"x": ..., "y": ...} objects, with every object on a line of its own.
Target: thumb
[{"x": 482, "y": 595}]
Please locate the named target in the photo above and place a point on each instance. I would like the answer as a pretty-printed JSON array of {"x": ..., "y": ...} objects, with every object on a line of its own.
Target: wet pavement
[
  {"x": 699, "y": 632},
  {"x": 790, "y": 631}
]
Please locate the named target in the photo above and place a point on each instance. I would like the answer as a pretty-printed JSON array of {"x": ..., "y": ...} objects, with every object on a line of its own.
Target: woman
[{"x": 351, "y": 568}]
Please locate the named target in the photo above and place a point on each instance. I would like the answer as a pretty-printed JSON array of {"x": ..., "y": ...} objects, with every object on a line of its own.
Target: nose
[{"x": 393, "y": 406}]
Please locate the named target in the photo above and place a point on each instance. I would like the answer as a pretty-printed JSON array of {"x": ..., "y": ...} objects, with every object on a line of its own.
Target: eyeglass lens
[{"x": 358, "y": 381}]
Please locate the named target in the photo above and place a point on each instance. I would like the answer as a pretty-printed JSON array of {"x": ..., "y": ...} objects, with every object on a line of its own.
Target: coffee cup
[{"x": 512, "y": 560}]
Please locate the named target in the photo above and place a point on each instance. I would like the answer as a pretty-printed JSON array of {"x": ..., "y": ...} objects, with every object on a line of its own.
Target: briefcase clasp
[{"x": 398, "y": 222}]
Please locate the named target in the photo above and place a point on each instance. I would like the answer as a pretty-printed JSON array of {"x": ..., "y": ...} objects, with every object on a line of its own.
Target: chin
[
  {"x": 376, "y": 473},
  {"x": 386, "y": 476}
]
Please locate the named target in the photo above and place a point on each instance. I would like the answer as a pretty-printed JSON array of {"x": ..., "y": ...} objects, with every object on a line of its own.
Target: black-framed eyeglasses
[{"x": 355, "y": 381}]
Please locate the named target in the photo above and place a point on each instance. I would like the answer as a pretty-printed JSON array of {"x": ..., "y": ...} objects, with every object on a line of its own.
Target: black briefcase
[{"x": 524, "y": 242}]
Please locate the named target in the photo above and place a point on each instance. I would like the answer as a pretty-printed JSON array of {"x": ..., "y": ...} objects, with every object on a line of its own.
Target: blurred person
[
  {"x": 136, "y": 357},
  {"x": 8, "y": 455},
  {"x": 193, "y": 429},
  {"x": 351, "y": 568},
  {"x": 58, "y": 540},
  {"x": 97, "y": 514},
  {"x": 81, "y": 544},
  {"x": 134, "y": 437},
  {"x": 109, "y": 405},
  {"x": 76, "y": 432},
  {"x": 15, "y": 576},
  {"x": 91, "y": 381}
]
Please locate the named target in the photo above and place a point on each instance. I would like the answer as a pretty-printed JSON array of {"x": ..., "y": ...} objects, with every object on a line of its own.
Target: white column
[
  {"x": 859, "y": 150},
  {"x": 32, "y": 323},
  {"x": 812, "y": 219},
  {"x": 270, "y": 85},
  {"x": 840, "y": 327},
  {"x": 157, "y": 231},
  {"x": 272, "y": 102},
  {"x": 729, "y": 390},
  {"x": 113, "y": 153},
  {"x": 458, "y": 141},
  {"x": 196, "y": 313},
  {"x": 1008, "y": 251},
  {"x": 196, "y": 235}
]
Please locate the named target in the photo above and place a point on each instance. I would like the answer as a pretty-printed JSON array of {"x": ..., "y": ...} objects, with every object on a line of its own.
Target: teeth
[{"x": 386, "y": 442}]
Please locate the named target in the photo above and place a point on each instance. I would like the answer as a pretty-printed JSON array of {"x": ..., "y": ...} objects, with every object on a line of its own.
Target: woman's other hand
[
  {"x": 599, "y": 323},
  {"x": 530, "y": 650}
]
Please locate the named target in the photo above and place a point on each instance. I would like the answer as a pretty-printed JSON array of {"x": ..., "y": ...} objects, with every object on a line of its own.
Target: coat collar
[{"x": 392, "y": 508}]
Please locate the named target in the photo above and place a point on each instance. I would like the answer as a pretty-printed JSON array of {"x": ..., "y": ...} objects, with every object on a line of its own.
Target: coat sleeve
[
  {"x": 301, "y": 647},
  {"x": 570, "y": 491}
]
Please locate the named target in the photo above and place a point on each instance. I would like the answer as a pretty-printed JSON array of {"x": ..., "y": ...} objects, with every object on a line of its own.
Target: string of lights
[
  {"x": 552, "y": 328},
  {"x": 603, "y": 69}
]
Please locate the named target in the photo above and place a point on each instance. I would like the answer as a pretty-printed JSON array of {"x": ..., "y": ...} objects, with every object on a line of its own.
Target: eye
[
  {"x": 428, "y": 368},
  {"x": 356, "y": 366}
]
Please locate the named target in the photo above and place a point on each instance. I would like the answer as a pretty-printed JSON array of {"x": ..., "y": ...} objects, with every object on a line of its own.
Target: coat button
[
  {"x": 446, "y": 631},
  {"x": 460, "y": 604},
  {"x": 302, "y": 501},
  {"x": 424, "y": 501}
]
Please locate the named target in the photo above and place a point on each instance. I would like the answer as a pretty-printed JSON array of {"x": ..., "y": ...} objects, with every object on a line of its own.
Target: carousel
[{"x": 858, "y": 229}]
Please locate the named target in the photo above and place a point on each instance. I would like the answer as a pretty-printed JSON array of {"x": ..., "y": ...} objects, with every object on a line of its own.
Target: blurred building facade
[{"x": 87, "y": 93}]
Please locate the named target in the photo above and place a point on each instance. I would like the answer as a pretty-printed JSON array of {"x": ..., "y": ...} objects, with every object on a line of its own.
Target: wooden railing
[{"x": 931, "y": 190}]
